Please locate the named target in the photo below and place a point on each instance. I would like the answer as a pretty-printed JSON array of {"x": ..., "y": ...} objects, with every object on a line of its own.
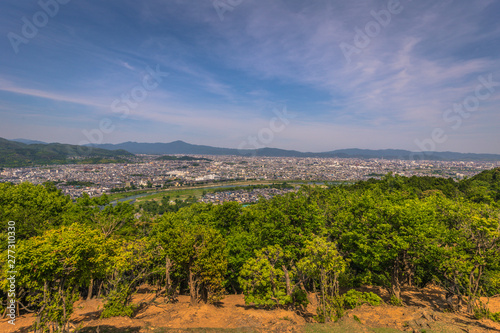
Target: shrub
[
  {"x": 396, "y": 301},
  {"x": 117, "y": 304},
  {"x": 354, "y": 298},
  {"x": 334, "y": 308}
]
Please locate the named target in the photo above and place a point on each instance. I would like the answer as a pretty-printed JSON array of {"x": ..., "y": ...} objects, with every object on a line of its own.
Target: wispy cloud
[
  {"x": 396, "y": 89},
  {"x": 127, "y": 65},
  {"x": 54, "y": 96}
]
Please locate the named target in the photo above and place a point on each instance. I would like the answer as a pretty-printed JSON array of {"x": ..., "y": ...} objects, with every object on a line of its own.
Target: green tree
[
  {"x": 386, "y": 237},
  {"x": 323, "y": 263},
  {"x": 471, "y": 249},
  {"x": 34, "y": 208},
  {"x": 287, "y": 221},
  {"x": 263, "y": 279},
  {"x": 193, "y": 250},
  {"x": 53, "y": 266},
  {"x": 129, "y": 265},
  {"x": 112, "y": 219}
]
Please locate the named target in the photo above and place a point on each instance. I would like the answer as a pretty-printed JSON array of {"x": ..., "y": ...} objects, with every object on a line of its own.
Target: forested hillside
[
  {"x": 17, "y": 154},
  {"x": 392, "y": 233}
]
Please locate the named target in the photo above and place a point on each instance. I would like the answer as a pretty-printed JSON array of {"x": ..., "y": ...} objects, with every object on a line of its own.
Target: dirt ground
[{"x": 424, "y": 312}]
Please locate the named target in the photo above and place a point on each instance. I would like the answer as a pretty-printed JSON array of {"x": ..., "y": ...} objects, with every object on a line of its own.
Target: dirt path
[{"x": 424, "y": 312}]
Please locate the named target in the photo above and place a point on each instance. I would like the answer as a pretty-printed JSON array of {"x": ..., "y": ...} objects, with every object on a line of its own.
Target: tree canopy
[{"x": 392, "y": 233}]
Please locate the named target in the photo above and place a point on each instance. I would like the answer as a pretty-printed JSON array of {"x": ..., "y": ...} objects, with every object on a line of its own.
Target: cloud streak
[
  {"x": 53, "y": 96},
  {"x": 222, "y": 72}
]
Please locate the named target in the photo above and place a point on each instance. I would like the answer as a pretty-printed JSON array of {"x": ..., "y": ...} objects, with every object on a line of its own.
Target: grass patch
[
  {"x": 197, "y": 191},
  {"x": 206, "y": 330},
  {"x": 183, "y": 192},
  {"x": 121, "y": 195},
  {"x": 343, "y": 327}
]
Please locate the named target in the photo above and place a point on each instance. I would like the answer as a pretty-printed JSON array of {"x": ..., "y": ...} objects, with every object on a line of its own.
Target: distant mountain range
[
  {"x": 29, "y": 142},
  {"x": 23, "y": 152},
  {"x": 18, "y": 154},
  {"x": 181, "y": 147}
]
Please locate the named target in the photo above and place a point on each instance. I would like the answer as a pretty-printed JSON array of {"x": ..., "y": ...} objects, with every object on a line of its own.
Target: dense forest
[{"x": 391, "y": 232}]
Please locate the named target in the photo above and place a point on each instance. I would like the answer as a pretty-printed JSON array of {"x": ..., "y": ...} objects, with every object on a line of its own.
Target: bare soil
[{"x": 425, "y": 311}]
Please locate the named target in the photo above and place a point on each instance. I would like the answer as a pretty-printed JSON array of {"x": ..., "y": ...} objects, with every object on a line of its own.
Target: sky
[{"x": 293, "y": 74}]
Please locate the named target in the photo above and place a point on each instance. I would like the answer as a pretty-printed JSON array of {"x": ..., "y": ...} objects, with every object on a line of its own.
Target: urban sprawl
[{"x": 145, "y": 171}]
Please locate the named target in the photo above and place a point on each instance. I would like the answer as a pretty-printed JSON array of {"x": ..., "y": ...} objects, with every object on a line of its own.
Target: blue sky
[{"x": 226, "y": 67}]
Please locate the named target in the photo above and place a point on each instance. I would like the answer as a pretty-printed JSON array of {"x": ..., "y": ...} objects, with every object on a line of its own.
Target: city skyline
[{"x": 289, "y": 74}]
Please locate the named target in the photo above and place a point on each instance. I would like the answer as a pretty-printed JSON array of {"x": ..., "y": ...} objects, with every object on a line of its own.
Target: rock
[
  {"x": 427, "y": 316},
  {"x": 413, "y": 324},
  {"x": 417, "y": 324},
  {"x": 421, "y": 322}
]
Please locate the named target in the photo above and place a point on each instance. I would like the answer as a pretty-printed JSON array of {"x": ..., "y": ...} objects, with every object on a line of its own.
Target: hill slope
[
  {"x": 17, "y": 154},
  {"x": 29, "y": 142},
  {"x": 425, "y": 311},
  {"x": 483, "y": 187}
]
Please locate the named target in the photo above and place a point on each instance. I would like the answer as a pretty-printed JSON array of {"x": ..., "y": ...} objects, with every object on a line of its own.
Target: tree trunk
[
  {"x": 39, "y": 314},
  {"x": 449, "y": 300},
  {"x": 168, "y": 287},
  {"x": 100, "y": 289},
  {"x": 409, "y": 276},
  {"x": 63, "y": 296},
  {"x": 234, "y": 288},
  {"x": 395, "y": 283},
  {"x": 4, "y": 313},
  {"x": 472, "y": 296},
  {"x": 335, "y": 284},
  {"x": 287, "y": 279},
  {"x": 323, "y": 300},
  {"x": 396, "y": 291},
  {"x": 193, "y": 290},
  {"x": 203, "y": 294},
  {"x": 91, "y": 287},
  {"x": 408, "y": 271}
]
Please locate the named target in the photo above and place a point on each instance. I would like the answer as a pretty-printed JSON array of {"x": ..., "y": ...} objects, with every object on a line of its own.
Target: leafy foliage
[
  {"x": 392, "y": 232},
  {"x": 129, "y": 265},
  {"x": 34, "y": 208},
  {"x": 323, "y": 263},
  {"x": 196, "y": 250},
  {"x": 263, "y": 279},
  {"x": 53, "y": 266},
  {"x": 118, "y": 303},
  {"x": 354, "y": 298}
]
